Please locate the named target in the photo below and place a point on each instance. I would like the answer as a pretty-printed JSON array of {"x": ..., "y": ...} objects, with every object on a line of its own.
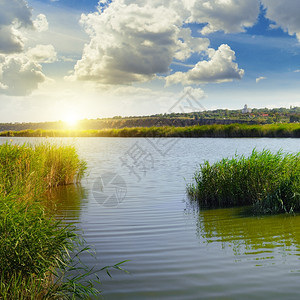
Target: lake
[{"x": 132, "y": 206}]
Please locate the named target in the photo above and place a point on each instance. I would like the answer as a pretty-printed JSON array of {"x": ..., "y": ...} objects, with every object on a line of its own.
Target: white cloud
[
  {"x": 41, "y": 23},
  {"x": 187, "y": 45},
  {"x": 11, "y": 40},
  {"x": 285, "y": 14},
  {"x": 128, "y": 43},
  {"x": 225, "y": 15},
  {"x": 20, "y": 74},
  {"x": 260, "y": 78},
  {"x": 136, "y": 41},
  {"x": 219, "y": 68},
  {"x": 197, "y": 93},
  {"x": 14, "y": 14},
  {"x": 20, "y": 67},
  {"x": 42, "y": 54}
]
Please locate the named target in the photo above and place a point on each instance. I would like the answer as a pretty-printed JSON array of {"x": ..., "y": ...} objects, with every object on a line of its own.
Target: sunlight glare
[{"x": 71, "y": 119}]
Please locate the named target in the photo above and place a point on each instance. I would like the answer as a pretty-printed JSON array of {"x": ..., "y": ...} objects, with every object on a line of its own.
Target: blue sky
[{"x": 90, "y": 59}]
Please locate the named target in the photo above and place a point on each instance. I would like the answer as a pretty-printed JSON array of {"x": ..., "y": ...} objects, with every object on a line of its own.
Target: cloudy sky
[{"x": 100, "y": 59}]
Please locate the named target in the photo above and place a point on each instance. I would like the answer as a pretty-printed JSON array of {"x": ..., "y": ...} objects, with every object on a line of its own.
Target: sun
[{"x": 71, "y": 119}]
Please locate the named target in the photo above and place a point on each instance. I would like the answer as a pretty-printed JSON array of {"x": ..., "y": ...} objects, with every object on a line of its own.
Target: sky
[{"x": 63, "y": 59}]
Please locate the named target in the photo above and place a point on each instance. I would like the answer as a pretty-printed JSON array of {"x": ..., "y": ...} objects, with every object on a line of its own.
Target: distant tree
[
  {"x": 294, "y": 118},
  {"x": 277, "y": 117}
]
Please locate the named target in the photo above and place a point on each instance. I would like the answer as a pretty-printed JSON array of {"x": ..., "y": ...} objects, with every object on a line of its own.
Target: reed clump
[
  {"x": 29, "y": 170},
  {"x": 35, "y": 249},
  {"x": 270, "y": 182}
]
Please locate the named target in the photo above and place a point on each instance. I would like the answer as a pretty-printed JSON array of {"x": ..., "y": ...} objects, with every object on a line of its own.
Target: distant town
[{"x": 244, "y": 115}]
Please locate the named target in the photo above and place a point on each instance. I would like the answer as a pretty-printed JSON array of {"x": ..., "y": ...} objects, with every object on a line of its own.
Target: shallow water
[{"x": 177, "y": 251}]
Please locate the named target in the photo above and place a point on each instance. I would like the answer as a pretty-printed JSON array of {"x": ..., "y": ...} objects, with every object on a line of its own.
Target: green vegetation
[
  {"x": 295, "y": 118},
  {"x": 222, "y": 131},
  {"x": 35, "y": 249},
  {"x": 207, "y": 117},
  {"x": 28, "y": 171},
  {"x": 269, "y": 182}
]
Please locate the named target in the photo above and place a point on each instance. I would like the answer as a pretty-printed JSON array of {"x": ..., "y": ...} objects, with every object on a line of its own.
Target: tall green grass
[
  {"x": 29, "y": 170},
  {"x": 35, "y": 249},
  {"x": 270, "y": 182},
  {"x": 217, "y": 130}
]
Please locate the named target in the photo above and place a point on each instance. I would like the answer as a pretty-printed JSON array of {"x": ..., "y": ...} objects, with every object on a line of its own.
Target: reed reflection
[
  {"x": 233, "y": 229},
  {"x": 67, "y": 201}
]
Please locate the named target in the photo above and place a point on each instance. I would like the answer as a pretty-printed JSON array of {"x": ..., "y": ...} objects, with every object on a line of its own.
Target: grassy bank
[
  {"x": 35, "y": 249},
  {"x": 223, "y": 131},
  {"x": 269, "y": 182}
]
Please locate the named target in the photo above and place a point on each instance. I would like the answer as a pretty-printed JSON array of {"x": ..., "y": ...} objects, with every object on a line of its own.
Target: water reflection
[
  {"x": 67, "y": 201},
  {"x": 261, "y": 236}
]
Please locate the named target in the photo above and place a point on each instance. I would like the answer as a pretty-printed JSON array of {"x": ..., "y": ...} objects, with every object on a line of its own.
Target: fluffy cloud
[
  {"x": 41, "y": 23},
  {"x": 42, "y": 54},
  {"x": 14, "y": 14},
  {"x": 133, "y": 41},
  {"x": 285, "y": 14},
  {"x": 220, "y": 67},
  {"x": 187, "y": 45},
  {"x": 20, "y": 74},
  {"x": 196, "y": 93},
  {"x": 21, "y": 70},
  {"x": 128, "y": 43},
  {"x": 226, "y": 15}
]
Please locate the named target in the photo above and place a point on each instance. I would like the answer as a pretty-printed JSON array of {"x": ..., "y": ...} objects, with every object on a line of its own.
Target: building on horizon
[{"x": 246, "y": 110}]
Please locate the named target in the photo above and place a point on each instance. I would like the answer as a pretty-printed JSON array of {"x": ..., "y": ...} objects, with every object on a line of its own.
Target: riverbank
[
  {"x": 34, "y": 247},
  {"x": 284, "y": 130}
]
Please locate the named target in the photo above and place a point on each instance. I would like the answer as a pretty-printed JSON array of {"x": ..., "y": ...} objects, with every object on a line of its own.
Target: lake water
[{"x": 133, "y": 206}]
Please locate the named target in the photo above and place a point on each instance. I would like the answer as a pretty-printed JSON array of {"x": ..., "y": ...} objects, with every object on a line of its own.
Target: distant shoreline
[{"x": 278, "y": 130}]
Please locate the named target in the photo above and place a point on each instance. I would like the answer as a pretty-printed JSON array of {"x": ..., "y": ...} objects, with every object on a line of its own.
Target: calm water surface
[{"x": 177, "y": 251}]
